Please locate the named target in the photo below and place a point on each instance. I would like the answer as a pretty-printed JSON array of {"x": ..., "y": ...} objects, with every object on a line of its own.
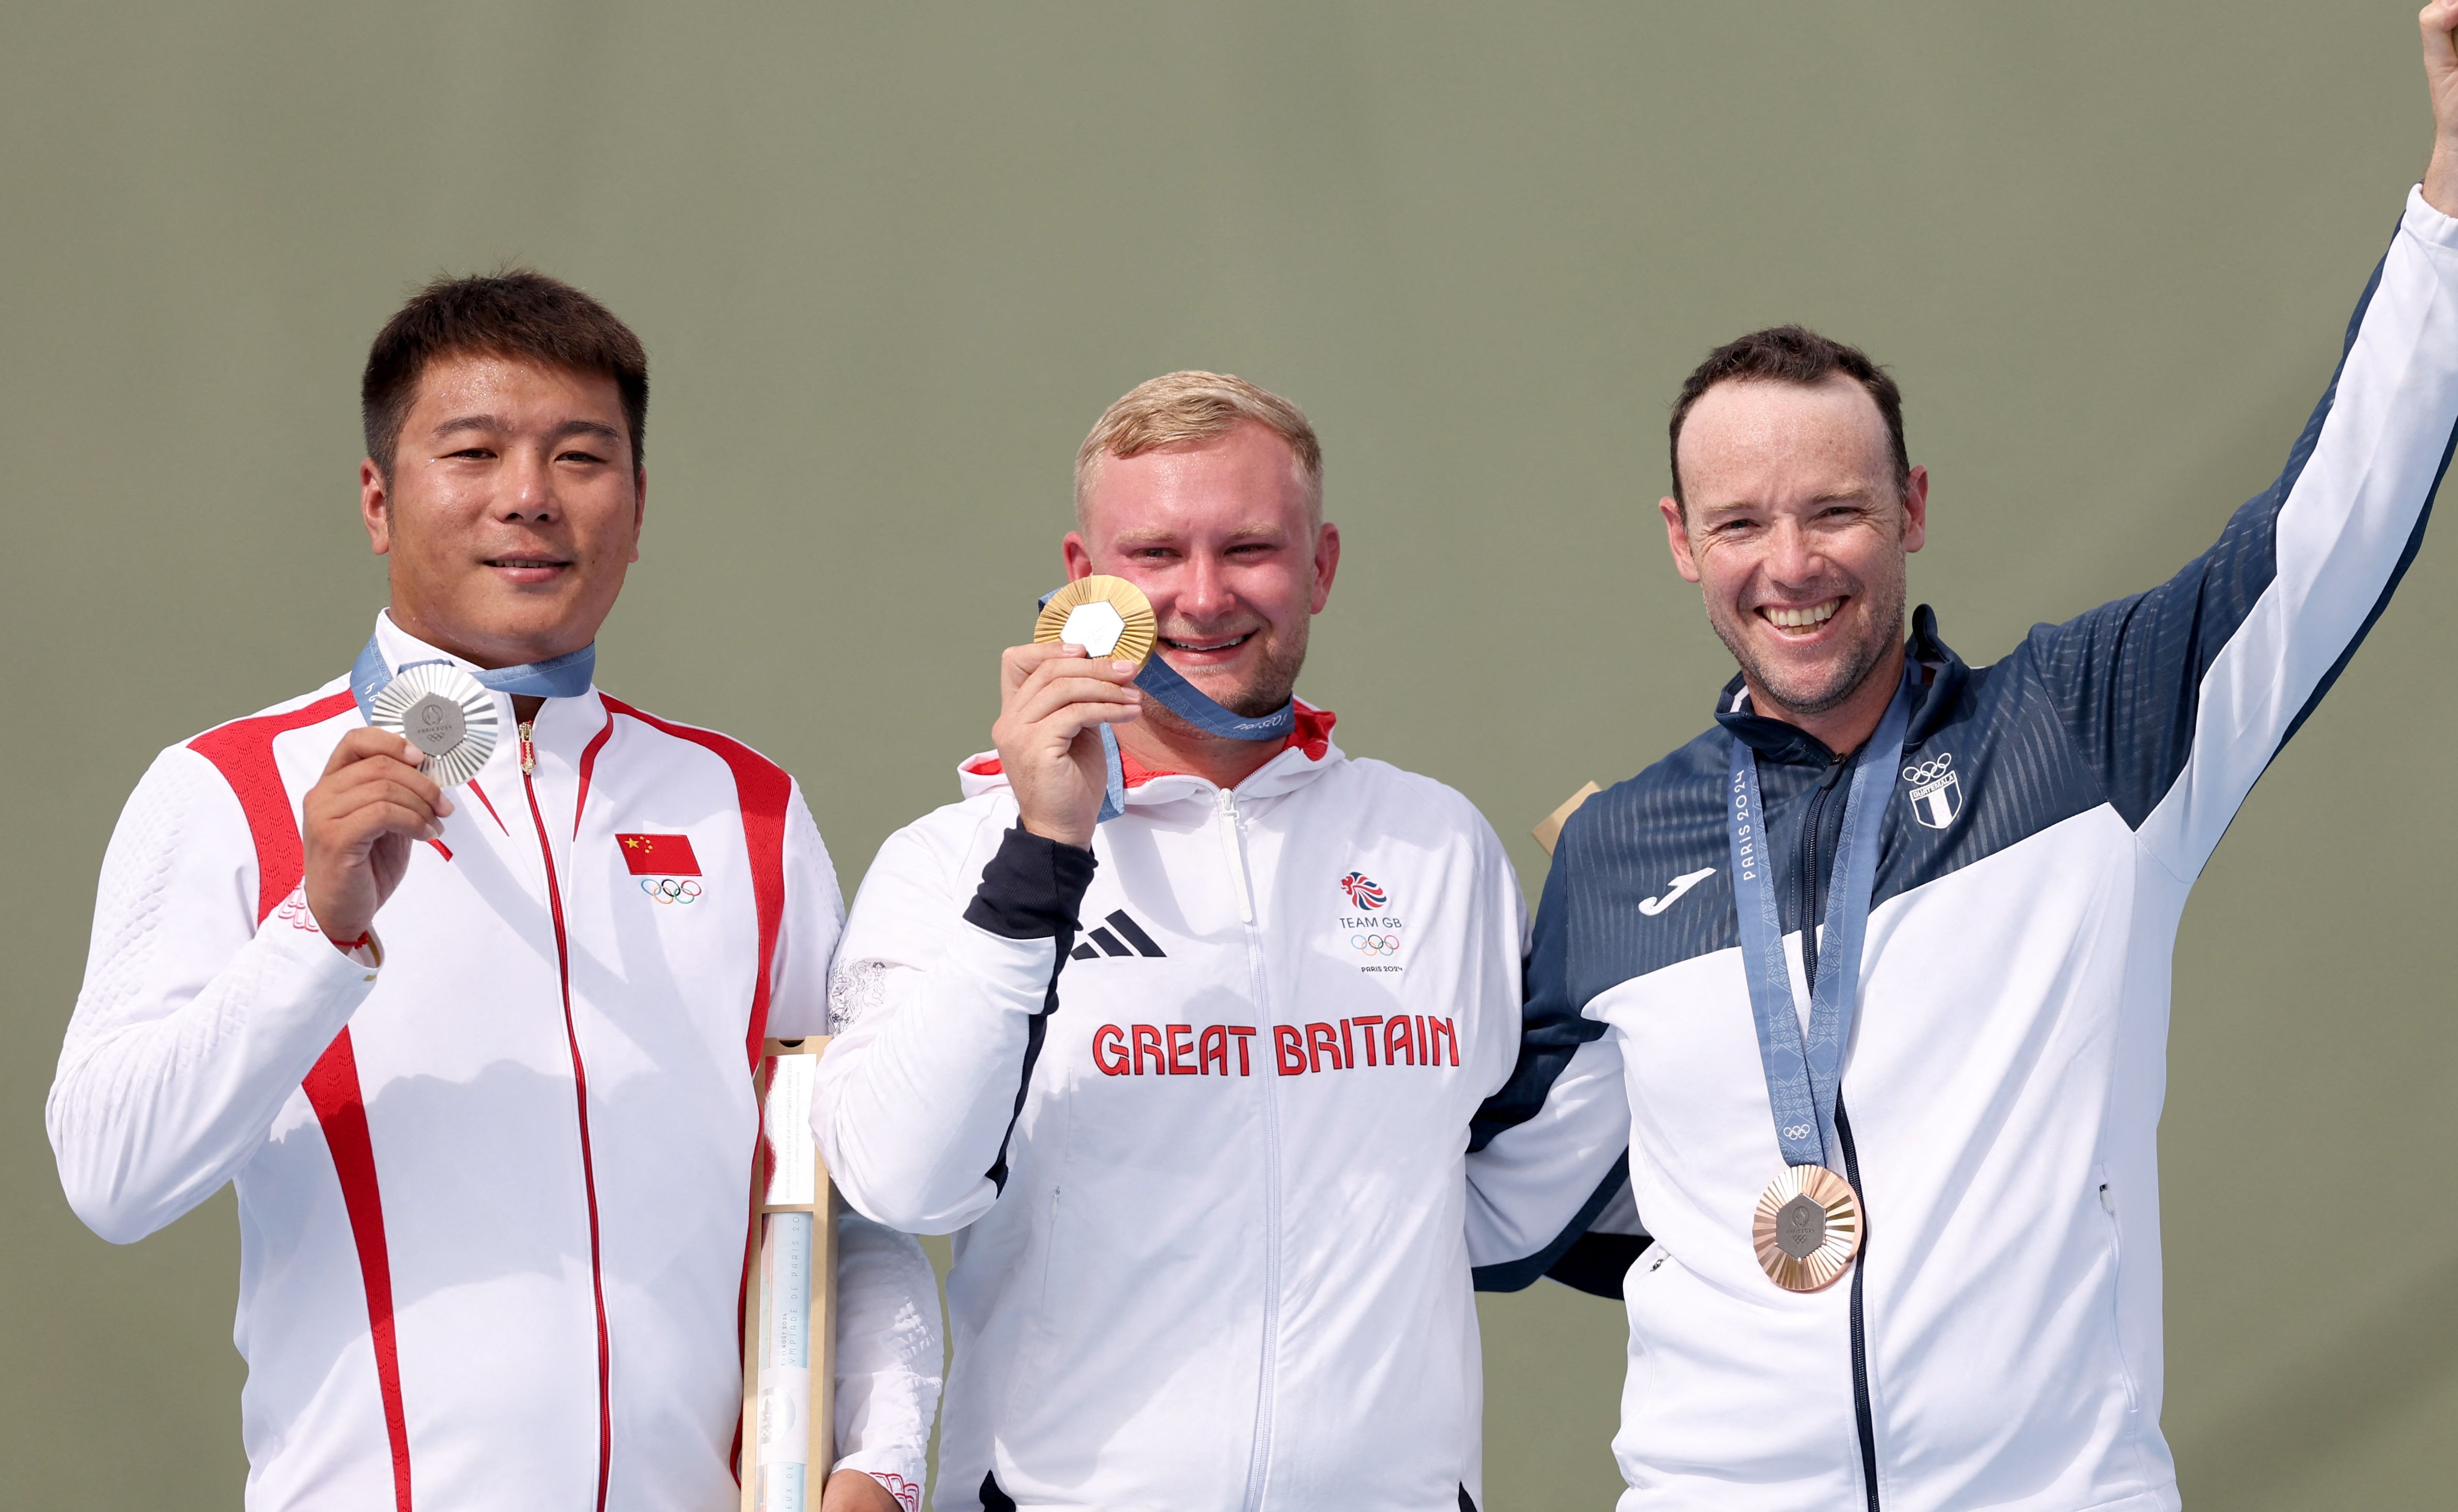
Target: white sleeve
[
  {"x": 195, "y": 1024},
  {"x": 934, "y": 1016},
  {"x": 1530, "y": 1184},
  {"x": 889, "y": 1355},
  {"x": 798, "y": 976},
  {"x": 2180, "y": 698}
]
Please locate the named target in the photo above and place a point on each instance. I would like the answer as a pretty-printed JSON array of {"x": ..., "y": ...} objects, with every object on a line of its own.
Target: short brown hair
[
  {"x": 1191, "y": 405},
  {"x": 1793, "y": 354},
  {"x": 514, "y": 313}
]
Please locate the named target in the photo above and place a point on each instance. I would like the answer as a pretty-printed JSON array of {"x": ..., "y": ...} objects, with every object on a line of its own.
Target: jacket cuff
[
  {"x": 1031, "y": 888},
  {"x": 291, "y": 932}
]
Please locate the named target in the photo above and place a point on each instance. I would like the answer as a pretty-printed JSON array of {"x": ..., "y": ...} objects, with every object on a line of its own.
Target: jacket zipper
[
  {"x": 1229, "y": 848},
  {"x": 580, "y": 1097},
  {"x": 1260, "y": 1460},
  {"x": 1811, "y": 897}
]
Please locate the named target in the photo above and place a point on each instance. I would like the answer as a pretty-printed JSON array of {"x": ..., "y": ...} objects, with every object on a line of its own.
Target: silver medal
[{"x": 448, "y": 714}]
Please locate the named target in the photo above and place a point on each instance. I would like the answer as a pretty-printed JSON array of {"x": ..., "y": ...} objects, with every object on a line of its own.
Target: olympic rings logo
[
  {"x": 672, "y": 889},
  {"x": 1928, "y": 772},
  {"x": 1376, "y": 944}
]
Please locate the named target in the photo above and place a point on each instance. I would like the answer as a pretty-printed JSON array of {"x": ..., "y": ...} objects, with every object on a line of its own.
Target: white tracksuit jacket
[
  {"x": 1204, "y": 1155},
  {"x": 1999, "y": 1345},
  {"x": 493, "y": 1191}
]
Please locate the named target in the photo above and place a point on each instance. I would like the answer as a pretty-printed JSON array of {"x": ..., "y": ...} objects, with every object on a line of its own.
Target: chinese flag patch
[{"x": 658, "y": 854}]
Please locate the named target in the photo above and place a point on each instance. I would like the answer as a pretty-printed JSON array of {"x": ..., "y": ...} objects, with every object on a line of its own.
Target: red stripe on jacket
[
  {"x": 762, "y": 790},
  {"x": 243, "y": 753}
]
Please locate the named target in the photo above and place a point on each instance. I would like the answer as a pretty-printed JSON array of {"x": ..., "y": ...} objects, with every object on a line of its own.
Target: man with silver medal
[
  {"x": 402, "y": 959},
  {"x": 1870, "y": 981}
]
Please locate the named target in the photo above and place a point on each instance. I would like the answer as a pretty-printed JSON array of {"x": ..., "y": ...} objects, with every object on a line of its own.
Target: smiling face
[
  {"x": 513, "y": 509},
  {"x": 1795, "y": 533},
  {"x": 1222, "y": 536}
]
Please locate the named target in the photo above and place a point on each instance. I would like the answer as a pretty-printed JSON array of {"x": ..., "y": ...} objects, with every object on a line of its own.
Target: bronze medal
[
  {"x": 1108, "y": 616},
  {"x": 1807, "y": 1229}
]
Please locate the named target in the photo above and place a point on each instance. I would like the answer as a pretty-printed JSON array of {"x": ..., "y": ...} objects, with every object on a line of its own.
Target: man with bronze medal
[
  {"x": 1912, "y": 919},
  {"x": 459, "y": 969}
]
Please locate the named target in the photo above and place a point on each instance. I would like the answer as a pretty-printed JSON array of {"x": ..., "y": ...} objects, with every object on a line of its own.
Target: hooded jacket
[{"x": 1196, "y": 1106}]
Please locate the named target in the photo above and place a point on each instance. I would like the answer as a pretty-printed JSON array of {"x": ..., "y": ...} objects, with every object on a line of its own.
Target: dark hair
[
  {"x": 1793, "y": 354},
  {"x": 514, "y": 313}
]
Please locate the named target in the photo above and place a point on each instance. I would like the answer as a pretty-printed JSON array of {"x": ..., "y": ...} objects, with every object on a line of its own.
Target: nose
[
  {"x": 1203, "y": 592},
  {"x": 529, "y": 488},
  {"x": 1793, "y": 555}
]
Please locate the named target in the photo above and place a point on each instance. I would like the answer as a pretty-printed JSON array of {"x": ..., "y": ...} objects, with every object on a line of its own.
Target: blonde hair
[{"x": 1179, "y": 408}]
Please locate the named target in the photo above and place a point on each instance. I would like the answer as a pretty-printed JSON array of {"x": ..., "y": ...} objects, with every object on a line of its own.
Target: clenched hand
[
  {"x": 1053, "y": 701},
  {"x": 362, "y": 818},
  {"x": 2441, "y": 79}
]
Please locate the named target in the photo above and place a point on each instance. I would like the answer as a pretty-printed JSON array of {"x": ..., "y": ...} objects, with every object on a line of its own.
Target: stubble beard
[
  {"x": 1266, "y": 691},
  {"x": 1862, "y": 658}
]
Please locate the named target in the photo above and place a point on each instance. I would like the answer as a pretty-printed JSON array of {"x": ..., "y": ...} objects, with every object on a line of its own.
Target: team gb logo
[
  {"x": 1937, "y": 792},
  {"x": 1362, "y": 892}
]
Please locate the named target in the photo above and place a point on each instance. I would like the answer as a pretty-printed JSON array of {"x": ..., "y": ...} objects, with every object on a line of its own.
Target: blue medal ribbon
[
  {"x": 1804, "y": 1071},
  {"x": 564, "y": 676},
  {"x": 1191, "y": 704}
]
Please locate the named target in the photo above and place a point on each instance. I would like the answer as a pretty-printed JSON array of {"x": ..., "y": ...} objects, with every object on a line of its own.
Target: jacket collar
[
  {"x": 1308, "y": 754},
  {"x": 561, "y": 720},
  {"x": 1935, "y": 698}
]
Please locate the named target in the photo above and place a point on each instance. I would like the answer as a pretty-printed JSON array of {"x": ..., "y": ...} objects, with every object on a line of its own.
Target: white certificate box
[{"x": 789, "y": 1323}]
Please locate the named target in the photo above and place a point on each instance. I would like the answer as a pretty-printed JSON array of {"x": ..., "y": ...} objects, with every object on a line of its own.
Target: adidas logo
[{"x": 1127, "y": 934}]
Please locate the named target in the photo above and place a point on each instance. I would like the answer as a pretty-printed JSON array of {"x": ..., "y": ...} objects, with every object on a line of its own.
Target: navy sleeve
[
  {"x": 1551, "y": 1029},
  {"x": 2252, "y": 633}
]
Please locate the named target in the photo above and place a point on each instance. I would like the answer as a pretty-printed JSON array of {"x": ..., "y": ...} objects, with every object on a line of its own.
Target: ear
[
  {"x": 1916, "y": 510},
  {"x": 375, "y": 507},
  {"x": 1326, "y": 567},
  {"x": 1079, "y": 555},
  {"x": 1677, "y": 535},
  {"x": 639, "y": 506}
]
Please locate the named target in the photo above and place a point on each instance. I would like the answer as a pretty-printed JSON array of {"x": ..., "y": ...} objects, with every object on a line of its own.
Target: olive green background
[{"x": 889, "y": 264}]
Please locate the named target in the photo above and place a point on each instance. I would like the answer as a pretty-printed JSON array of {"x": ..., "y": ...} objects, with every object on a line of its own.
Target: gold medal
[
  {"x": 1807, "y": 1229},
  {"x": 1108, "y": 616}
]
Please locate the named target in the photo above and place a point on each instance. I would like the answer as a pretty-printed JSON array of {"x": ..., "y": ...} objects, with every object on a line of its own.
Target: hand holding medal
[
  {"x": 1108, "y": 619},
  {"x": 1059, "y": 695},
  {"x": 357, "y": 825}
]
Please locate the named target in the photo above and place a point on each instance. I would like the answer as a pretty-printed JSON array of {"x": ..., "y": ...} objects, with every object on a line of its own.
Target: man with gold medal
[
  {"x": 1177, "y": 1021},
  {"x": 457, "y": 968},
  {"x": 1878, "y": 966}
]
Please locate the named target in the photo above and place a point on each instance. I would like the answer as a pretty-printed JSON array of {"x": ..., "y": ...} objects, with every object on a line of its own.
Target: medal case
[{"x": 789, "y": 1307}]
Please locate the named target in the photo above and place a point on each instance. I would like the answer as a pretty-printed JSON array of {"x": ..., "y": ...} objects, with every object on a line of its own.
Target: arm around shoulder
[{"x": 1549, "y": 1147}]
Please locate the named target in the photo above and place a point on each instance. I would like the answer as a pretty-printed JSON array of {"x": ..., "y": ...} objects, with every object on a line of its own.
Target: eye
[
  {"x": 579, "y": 456},
  {"x": 476, "y": 453}
]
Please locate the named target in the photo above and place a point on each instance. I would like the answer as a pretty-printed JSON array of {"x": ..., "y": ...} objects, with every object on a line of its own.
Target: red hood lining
[{"x": 1312, "y": 734}]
